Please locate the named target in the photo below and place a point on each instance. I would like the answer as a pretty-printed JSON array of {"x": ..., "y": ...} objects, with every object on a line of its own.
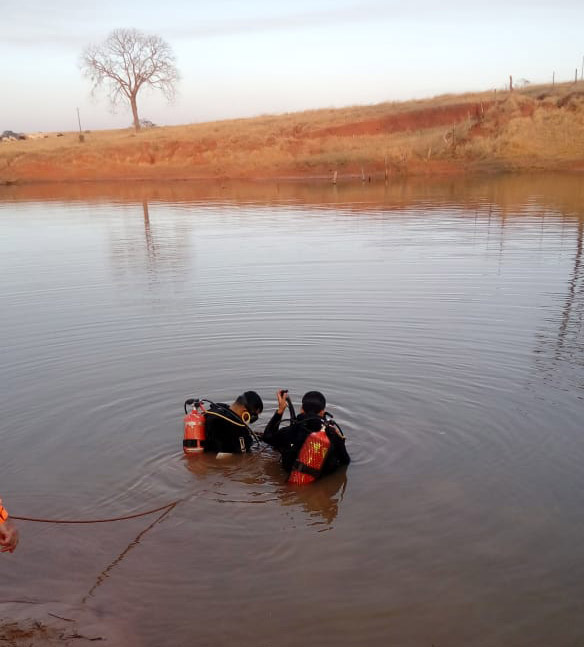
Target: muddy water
[{"x": 442, "y": 320}]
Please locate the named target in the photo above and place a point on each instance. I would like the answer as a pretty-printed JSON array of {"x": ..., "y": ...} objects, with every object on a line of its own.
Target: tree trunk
[{"x": 135, "y": 112}]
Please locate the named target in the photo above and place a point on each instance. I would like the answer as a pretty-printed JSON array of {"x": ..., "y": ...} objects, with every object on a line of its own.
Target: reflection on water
[
  {"x": 569, "y": 334},
  {"x": 158, "y": 249},
  {"x": 511, "y": 195},
  {"x": 150, "y": 246},
  {"x": 320, "y": 502},
  {"x": 443, "y": 321},
  {"x": 562, "y": 341}
]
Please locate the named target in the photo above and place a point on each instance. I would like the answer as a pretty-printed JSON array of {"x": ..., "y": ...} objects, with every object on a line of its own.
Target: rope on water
[{"x": 124, "y": 518}]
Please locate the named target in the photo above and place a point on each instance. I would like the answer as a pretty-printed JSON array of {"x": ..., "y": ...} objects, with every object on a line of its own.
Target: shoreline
[{"x": 317, "y": 180}]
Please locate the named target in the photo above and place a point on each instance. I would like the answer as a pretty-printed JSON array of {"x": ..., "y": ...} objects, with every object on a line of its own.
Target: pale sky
[{"x": 240, "y": 58}]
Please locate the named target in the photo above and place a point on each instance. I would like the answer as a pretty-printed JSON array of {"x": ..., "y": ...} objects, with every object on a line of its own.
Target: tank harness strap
[
  {"x": 233, "y": 422},
  {"x": 305, "y": 469},
  {"x": 3, "y": 514}
]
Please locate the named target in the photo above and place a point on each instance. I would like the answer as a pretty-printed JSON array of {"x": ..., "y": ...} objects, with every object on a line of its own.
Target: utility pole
[
  {"x": 582, "y": 70},
  {"x": 81, "y": 137}
]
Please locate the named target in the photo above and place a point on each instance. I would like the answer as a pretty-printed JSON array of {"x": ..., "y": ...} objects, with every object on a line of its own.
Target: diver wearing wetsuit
[
  {"x": 289, "y": 440},
  {"x": 226, "y": 427}
]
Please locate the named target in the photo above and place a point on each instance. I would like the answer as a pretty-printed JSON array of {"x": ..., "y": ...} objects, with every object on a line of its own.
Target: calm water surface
[{"x": 444, "y": 323}]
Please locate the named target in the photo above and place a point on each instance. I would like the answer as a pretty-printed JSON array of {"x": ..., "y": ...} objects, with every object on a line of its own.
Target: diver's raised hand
[{"x": 282, "y": 394}]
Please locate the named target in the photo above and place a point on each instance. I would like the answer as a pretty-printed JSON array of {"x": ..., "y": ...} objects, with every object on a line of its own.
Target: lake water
[{"x": 443, "y": 320}]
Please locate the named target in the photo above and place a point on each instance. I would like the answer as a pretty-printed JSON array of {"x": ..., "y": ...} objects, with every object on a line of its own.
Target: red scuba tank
[
  {"x": 194, "y": 421},
  {"x": 310, "y": 459}
]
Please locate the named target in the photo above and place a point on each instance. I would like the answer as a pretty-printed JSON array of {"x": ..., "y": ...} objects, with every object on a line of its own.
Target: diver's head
[
  {"x": 249, "y": 406},
  {"x": 313, "y": 403}
]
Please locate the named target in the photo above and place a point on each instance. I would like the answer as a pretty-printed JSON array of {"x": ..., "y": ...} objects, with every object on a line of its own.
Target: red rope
[{"x": 129, "y": 516}]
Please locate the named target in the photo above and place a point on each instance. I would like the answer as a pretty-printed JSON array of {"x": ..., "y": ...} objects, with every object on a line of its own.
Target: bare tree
[{"x": 127, "y": 61}]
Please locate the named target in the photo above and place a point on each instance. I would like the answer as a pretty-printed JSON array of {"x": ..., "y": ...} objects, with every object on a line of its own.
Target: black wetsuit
[
  {"x": 289, "y": 440},
  {"x": 225, "y": 431}
]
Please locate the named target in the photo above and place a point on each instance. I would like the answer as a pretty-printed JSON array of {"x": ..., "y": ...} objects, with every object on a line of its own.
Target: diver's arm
[
  {"x": 280, "y": 438},
  {"x": 338, "y": 443},
  {"x": 273, "y": 426},
  {"x": 272, "y": 434},
  {"x": 344, "y": 458},
  {"x": 272, "y": 429}
]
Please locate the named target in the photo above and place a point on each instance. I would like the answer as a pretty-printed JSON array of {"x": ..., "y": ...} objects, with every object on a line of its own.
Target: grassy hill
[{"x": 538, "y": 127}]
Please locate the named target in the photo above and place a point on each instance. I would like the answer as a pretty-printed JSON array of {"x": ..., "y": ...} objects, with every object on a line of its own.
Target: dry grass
[
  {"x": 536, "y": 132},
  {"x": 539, "y": 127}
]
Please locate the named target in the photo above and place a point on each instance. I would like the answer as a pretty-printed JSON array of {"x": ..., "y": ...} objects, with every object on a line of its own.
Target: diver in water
[
  {"x": 8, "y": 532},
  {"x": 226, "y": 427},
  {"x": 290, "y": 440}
]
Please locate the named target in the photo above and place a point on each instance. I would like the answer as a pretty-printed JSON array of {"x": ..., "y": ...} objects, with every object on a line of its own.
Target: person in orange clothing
[{"x": 8, "y": 532}]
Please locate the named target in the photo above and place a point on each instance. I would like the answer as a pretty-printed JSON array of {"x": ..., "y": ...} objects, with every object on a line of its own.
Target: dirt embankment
[
  {"x": 33, "y": 633},
  {"x": 55, "y": 624},
  {"x": 413, "y": 120},
  {"x": 537, "y": 128}
]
